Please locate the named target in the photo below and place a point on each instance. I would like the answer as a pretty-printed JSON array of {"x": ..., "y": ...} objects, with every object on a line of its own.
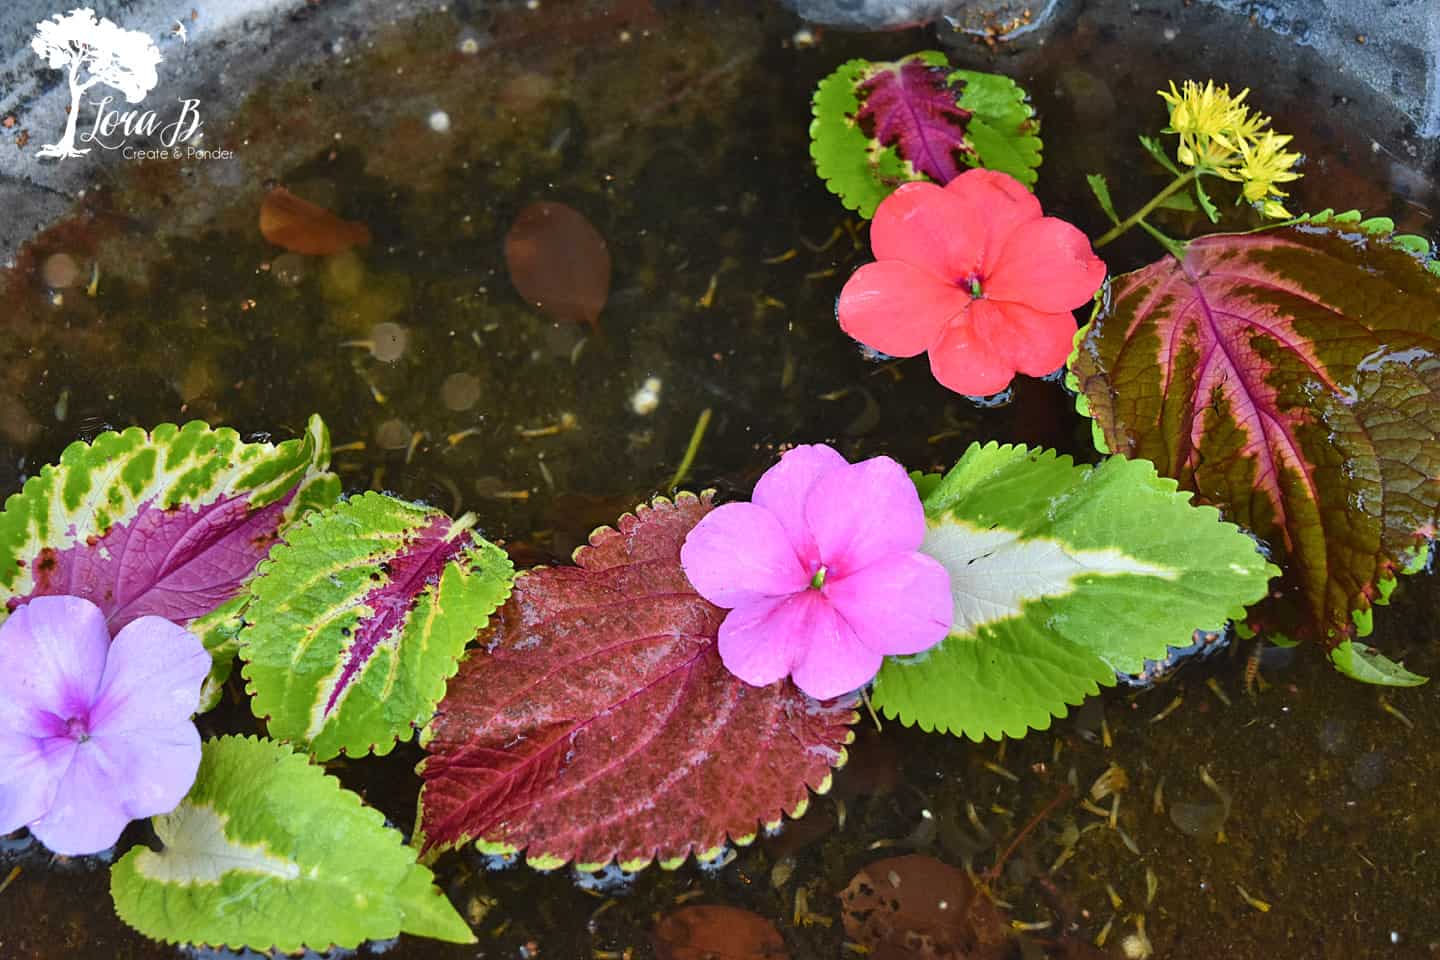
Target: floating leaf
[
  {"x": 1290, "y": 378},
  {"x": 894, "y": 906},
  {"x": 559, "y": 262},
  {"x": 597, "y": 722},
  {"x": 360, "y": 617},
  {"x": 302, "y": 227},
  {"x": 268, "y": 852},
  {"x": 1063, "y": 576},
  {"x": 172, "y": 523},
  {"x": 878, "y": 125},
  {"x": 705, "y": 932}
]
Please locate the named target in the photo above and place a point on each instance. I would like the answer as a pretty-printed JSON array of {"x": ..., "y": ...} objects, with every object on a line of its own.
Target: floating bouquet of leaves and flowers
[{"x": 1266, "y": 402}]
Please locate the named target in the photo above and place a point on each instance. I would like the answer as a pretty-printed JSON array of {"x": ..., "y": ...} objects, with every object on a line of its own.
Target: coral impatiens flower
[
  {"x": 94, "y": 733},
  {"x": 820, "y": 573},
  {"x": 974, "y": 274}
]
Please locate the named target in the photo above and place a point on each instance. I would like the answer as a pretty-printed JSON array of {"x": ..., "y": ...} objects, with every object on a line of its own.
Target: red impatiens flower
[{"x": 974, "y": 274}]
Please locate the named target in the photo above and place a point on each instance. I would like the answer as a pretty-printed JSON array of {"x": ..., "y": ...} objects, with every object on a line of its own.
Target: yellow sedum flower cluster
[{"x": 1220, "y": 135}]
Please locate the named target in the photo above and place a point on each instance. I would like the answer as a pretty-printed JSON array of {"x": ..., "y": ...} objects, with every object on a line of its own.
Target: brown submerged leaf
[
  {"x": 559, "y": 262},
  {"x": 302, "y": 227},
  {"x": 912, "y": 907},
  {"x": 717, "y": 933}
]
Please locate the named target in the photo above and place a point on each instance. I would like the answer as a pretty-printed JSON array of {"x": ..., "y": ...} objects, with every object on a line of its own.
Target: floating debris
[
  {"x": 60, "y": 271},
  {"x": 303, "y": 227},
  {"x": 645, "y": 400},
  {"x": 559, "y": 262},
  {"x": 460, "y": 391}
]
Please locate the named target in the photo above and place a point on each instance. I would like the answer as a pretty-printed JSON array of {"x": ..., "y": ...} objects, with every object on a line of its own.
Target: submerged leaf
[
  {"x": 597, "y": 723},
  {"x": 1360, "y": 661},
  {"x": 706, "y": 932},
  {"x": 268, "y": 852},
  {"x": 559, "y": 262},
  {"x": 303, "y": 227},
  {"x": 171, "y": 523},
  {"x": 1062, "y": 576},
  {"x": 917, "y": 906},
  {"x": 360, "y": 617},
  {"x": 878, "y": 125},
  {"x": 1290, "y": 378}
]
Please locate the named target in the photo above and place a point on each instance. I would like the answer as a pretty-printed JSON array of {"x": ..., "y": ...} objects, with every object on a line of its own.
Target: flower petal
[
  {"x": 834, "y": 661},
  {"x": 896, "y": 307},
  {"x": 1033, "y": 343},
  {"x": 115, "y": 779},
  {"x": 862, "y": 513},
  {"x": 784, "y": 487},
  {"x": 966, "y": 361},
  {"x": 1000, "y": 202},
  {"x": 52, "y": 656},
  {"x": 152, "y": 678},
  {"x": 929, "y": 227},
  {"x": 762, "y": 643},
  {"x": 1047, "y": 265},
  {"x": 759, "y": 641},
  {"x": 896, "y": 605},
  {"x": 30, "y": 772},
  {"x": 739, "y": 554}
]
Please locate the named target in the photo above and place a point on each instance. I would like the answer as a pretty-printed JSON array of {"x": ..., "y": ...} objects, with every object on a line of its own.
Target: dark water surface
[{"x": 680, "y": 130}]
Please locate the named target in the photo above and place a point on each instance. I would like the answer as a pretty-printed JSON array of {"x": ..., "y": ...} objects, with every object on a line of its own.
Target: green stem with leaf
[{"x": 1138, "y": 217}]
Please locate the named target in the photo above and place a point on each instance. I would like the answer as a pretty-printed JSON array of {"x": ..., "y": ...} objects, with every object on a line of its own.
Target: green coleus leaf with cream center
[
  {"x": 270, "y": 853},
  {"x": 1063, "y": 576},
  {"x": 359, "y": 619},
  {"x": 170, "y": 522}
]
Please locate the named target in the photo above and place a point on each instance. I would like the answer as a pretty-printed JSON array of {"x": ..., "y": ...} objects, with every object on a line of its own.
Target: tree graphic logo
[{"x": 94, "y": 51}]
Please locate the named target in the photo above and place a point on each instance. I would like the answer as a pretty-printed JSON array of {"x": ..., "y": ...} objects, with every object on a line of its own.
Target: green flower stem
[{"x": 1139, "y": 216}]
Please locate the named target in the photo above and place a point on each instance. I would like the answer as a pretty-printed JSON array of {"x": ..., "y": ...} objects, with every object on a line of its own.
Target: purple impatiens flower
[
  {"x": 94, "y": 733},
  {"x": 820, "y": 573}
]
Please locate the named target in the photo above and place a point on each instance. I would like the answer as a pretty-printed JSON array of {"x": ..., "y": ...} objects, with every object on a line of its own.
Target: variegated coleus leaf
[
  {"x": 1291, "y": 378},
  {"x": 880, "y": 124},
  {"x": 171, "y": 522},
  {"x": 358, "y": 619},
  {"x": 266, "y": 851},
  {"x": 597, "y": 723},
  {"x": 1063, "y": 576}
]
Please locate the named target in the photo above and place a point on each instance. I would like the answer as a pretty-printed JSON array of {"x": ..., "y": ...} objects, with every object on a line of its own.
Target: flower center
[
  {"x": 975, "y": 290},
  {"x": 818, "y": 581},
  {"x": 78, "y": 729}
]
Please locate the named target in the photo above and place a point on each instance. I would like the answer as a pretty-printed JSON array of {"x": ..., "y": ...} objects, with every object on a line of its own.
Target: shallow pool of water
[{"x": 681, "y": 132}]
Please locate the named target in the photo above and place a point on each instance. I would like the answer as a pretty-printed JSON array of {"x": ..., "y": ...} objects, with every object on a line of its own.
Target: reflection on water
[{"x": 680, "y": 134}]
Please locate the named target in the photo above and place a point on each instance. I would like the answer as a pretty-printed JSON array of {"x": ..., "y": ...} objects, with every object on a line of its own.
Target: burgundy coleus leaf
[
  {"x": 358, "y": 619},
  {"x": 911, "y": 106},
  {"x": 170, "y": 522},
  {"x": 597, "y": 723},
  {"x": 1290, "y": 378}
]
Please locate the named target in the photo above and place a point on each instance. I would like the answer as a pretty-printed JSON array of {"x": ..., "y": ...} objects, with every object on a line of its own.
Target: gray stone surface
[{"x": 229, "y": 45}]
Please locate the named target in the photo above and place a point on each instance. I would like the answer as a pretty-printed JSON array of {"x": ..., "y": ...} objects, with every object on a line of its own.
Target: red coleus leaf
[
  {"x": 596, "y": 721},
  {"x": 1290, "y": 378}
]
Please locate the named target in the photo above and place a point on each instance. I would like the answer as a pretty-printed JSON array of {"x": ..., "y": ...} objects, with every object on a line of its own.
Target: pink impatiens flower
[
  {"x": 94, "y": 733},
  {"x": 820, "y": 573},
  {"x": 974, "y": 274}
]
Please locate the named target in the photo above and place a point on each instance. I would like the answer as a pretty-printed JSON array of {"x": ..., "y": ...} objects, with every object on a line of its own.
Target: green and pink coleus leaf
[
  {"x": 172, "y": 522},
  {"x": 880, "y": 124},
  {"x": 1291, "y": 378},
  {"x": 358, "y": 619},
  {"x": 597, "y": 723}
]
